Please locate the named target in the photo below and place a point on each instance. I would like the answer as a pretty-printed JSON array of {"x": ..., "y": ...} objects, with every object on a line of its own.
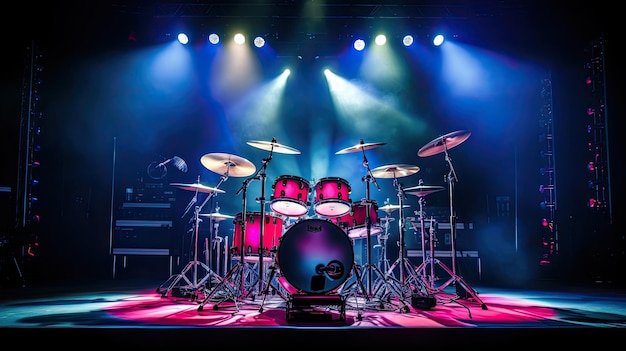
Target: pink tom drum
[
  {"x": 355, "y": 221},
  {"x": 272, "y": 231},
  {"x": 291, "y": 194},
  {"x": 332, "y": 197}
]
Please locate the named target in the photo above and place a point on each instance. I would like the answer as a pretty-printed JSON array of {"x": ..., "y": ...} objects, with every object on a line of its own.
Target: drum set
[{"x": 315, "y": 256}]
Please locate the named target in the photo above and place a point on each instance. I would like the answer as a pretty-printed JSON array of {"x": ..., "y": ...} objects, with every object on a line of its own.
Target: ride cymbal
[
  {"x": 443, "y": 143},
  {"x": 216, "y": 216},
  {"x": 197, "y": 187},
  {"x": 359, "y": 147},
  {"x": 391, "y": 208},
  {"x": 423, "y": 190},
  {"x": 273, "y": 146},
  {"x": 395, "y": 171},
  {"x": 231, "y": 165}
]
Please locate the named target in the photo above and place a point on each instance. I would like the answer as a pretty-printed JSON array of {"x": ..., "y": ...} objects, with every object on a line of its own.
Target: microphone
[{"x": 178, "y": 163}]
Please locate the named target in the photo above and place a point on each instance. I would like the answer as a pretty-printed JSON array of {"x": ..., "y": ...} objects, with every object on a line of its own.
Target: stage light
[
  {"x": 381, "y": 39},
  {"x": 359, "y": 44},
  {"x": 214, "y": 38},
  {"x": 239, "y": 39},
  {"x": 438, "y": 40},
  {"x": 183, "y": 38},
  {"x": 407, "y": 40},
  {"x": 259, "y": 42}
]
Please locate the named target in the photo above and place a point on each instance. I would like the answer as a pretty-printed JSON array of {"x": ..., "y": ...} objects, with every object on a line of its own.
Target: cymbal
[
  {"x": 394, "y": 171},
  {"x": 444, "y": 142},
  {"x": 423, "y": 190},
  {"x": 199, "y": 187},
  {"x": 391, "y": 208},
  {"x": 358, "y": 147},
  {"x": 273, "y": 146},
  {"x": 223, "y": 163},
  {"x": 387, "y": 219},
  {"x": 216, "y": 216}
]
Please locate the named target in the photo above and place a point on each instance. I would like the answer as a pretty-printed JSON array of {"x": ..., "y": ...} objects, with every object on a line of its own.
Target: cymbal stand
[
  {"x": 241, "y": 269},
  {"x": 383, "y": 261},
  {"x": 454, "y": 277},
  {"x": 408, "y": 278},
  {"x": 194, "y": 284},
  {"x": 368, "y": 266}
]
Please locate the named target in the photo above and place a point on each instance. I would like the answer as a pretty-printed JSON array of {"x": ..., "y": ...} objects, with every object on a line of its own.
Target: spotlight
[
  {"x": 214, "y": 38},
  {"x": 407, "y": 40},
  {"x": 183, "y": 38},
  {"x": 259, "y": 42},
  {"x": 438, "y": 39},
  {"x": 239, "y": 39},
  {"x": 359, "y": 44},
  {"x": 381, "y": 39}
]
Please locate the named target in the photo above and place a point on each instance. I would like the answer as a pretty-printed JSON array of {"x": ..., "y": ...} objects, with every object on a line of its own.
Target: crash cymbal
[
  {"x": 358, "y": 147},
  {"x": 423, "y": 190},
  {"x": 216, "y": 216},
  {"x": 232, "y": 165},
  {"x": 391, "y": 208},
  {"x": 443, "y": 143},
  {"x": 394, "y": 171},
  {"x": 199, "y": 187},
  {"x": 273, "y": 146}
]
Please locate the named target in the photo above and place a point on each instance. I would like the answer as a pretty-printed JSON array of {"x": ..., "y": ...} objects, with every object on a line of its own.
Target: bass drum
[{"x": 315, "y": 256}]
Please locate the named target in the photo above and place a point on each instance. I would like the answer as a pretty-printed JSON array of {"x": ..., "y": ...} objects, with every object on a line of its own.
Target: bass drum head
[{"x": 315, "y": 256}]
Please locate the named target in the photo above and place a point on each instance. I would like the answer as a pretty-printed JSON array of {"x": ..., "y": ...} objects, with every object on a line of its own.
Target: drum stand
[
  {"x": 242, "y": 270},
  {"x": 368, "y": 267},
  {"x": 454, "y": 277},
  {"x": 194, "y": 284},
  {"x": 383, "y": 261},
  {"x": 408, "y": 280}
]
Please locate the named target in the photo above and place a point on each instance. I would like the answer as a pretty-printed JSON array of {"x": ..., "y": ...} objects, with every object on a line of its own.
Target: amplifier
[
  {"x": 142, "y": 234},
  {"x": 146, "y": 210}
]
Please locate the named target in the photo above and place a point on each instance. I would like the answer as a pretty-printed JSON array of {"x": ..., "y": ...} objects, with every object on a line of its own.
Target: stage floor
[{"x": 150, "y": 313}]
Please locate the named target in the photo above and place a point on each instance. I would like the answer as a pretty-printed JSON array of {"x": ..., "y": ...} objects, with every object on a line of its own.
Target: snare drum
[
  {"x": 272, "y": 231},
  {"x": 291, "y": 194},
  {"x": 332, "y": 197},
  {"x": 355, "y": 221}
]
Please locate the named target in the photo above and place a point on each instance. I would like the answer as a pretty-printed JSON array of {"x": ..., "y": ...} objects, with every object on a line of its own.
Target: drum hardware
[
  {"x": 407, "y": 280},
  {"x": 383, "y": 261},
  {"x": 242, "y": 267},
  {"x": 368, "y": 267},
  {"x": 194, "y": 284},
  {"x": 214, "y": 219},
  {"x": 443, "y": 144}
]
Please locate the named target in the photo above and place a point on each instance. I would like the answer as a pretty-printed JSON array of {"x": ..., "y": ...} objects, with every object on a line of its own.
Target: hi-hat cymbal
[
  {"x": 231, "y": 165},
  {"x": 423, "y": 190},
  {"x": 199, "y": 187},
  {"x": 216, "y": 216},
  {"x": 273, "y": 146},
  {"x": 391, "y": 208},
  {"x": 394, "y": 171},
  {"x": 359, "y": 147},
  {"x": 443, "y": 143}
]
